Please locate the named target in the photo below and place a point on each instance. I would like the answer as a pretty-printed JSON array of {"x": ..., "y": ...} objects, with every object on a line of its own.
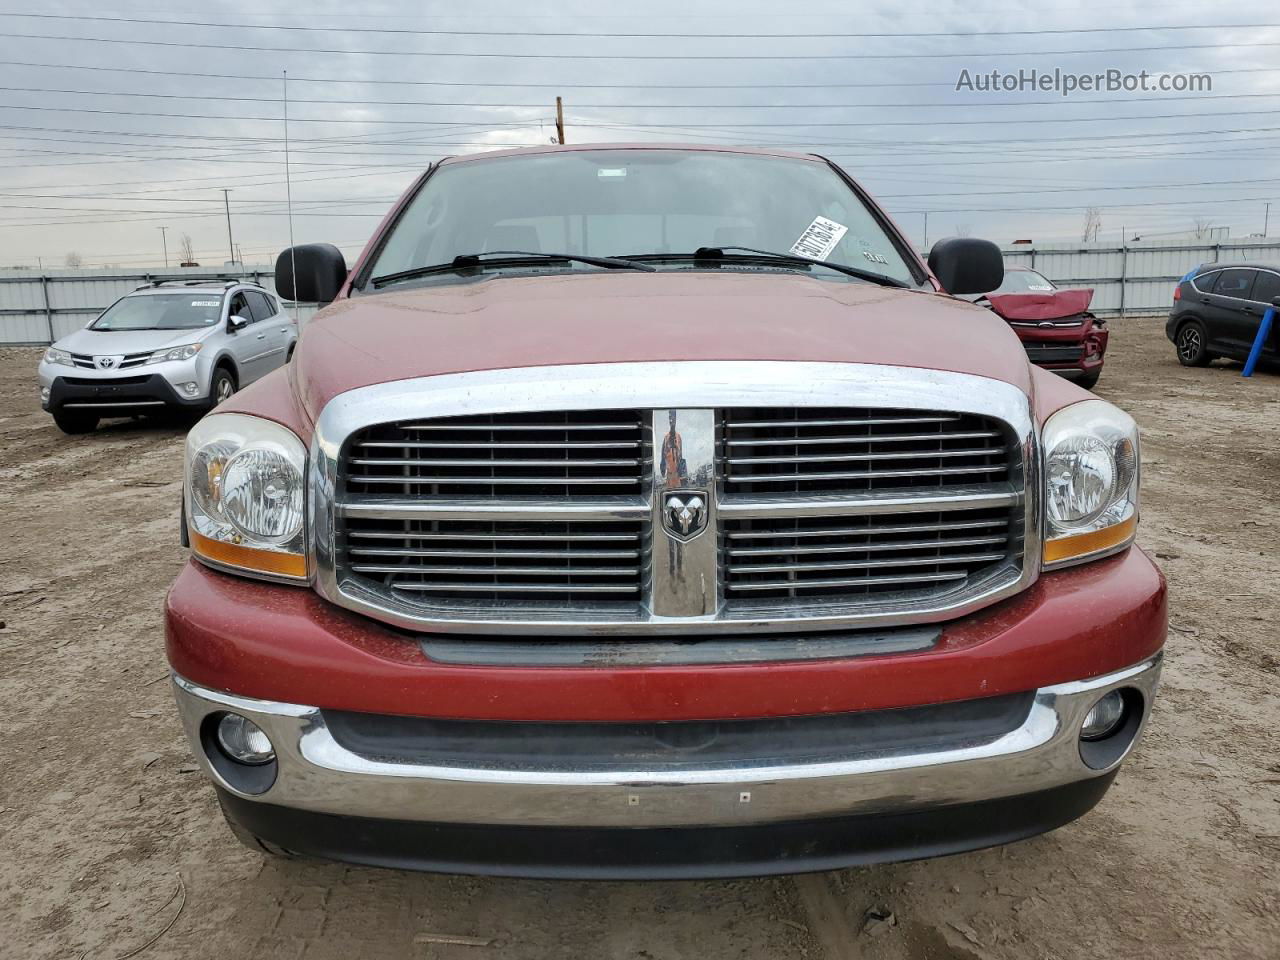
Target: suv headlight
[
  {"x": 245, "y": 495},
  {"x": 184, "y": 352},
  {"x": 54, "y": 355},
  {"x": 1091, "y": 482}
]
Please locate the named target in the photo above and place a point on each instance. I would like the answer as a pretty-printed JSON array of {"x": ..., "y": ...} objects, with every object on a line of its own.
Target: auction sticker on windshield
[{"x": 819, "y": 239}]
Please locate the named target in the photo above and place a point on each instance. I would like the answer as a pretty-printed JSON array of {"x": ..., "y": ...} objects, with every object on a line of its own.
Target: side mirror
[
  {"x": 238, "y": 322},
  {"x": 311, "y": 273},
  {"x": 964, "y": 265}
]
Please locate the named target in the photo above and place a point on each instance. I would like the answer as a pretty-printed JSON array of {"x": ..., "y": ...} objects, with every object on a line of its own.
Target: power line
[
  {"x": 716, "y": 126},
  {"x": 485, "y": 55},
  {"x": 405, "y": 31},
  {"x": 643, "y": 106},
  {"x": 373, "y": 81}
]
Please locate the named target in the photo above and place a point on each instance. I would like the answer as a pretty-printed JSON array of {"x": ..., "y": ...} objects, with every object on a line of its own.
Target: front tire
[
  {"x": 74, "y": 423},
  {"x": 222, "y": 386},
  {"x": 1192, "y": 345}
]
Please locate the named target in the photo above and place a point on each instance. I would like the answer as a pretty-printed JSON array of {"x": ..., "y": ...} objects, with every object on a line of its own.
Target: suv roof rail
[{"x": 226, "y": 282}]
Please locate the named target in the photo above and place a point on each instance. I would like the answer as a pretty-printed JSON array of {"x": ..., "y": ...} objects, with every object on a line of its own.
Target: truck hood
[
  {"x": 1041, "y": 306},
  {"x": 505, "y": 322},
  {"x": 115, "y": 342}
]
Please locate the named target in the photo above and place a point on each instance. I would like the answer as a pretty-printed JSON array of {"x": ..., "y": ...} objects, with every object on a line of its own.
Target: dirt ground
[{"x": 110, "y": 840}]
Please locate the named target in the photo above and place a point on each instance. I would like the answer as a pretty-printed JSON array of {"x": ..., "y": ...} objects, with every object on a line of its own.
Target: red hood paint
[
  {"x": 1041, "y": 306},
  {"x": 506, "y": 322}
]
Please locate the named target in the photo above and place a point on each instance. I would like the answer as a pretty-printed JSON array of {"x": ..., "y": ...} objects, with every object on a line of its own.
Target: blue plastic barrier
[{"x": 1255, "y": 351}]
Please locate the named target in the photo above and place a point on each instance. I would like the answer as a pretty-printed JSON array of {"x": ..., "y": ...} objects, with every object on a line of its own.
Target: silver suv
[{"x": 169, "y": 345}]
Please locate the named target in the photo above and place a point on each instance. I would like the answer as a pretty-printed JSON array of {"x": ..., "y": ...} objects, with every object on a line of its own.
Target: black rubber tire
[
  {"x": 222, "y": 386},
  {"x": 1089, "y": 380},
  {"x": 74, "y": 422},
  {"x": 1191, "y": 343}
]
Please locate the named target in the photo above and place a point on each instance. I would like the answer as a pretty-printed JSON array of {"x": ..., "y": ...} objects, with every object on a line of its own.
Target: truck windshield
[
  {"x": 192, "y": 310},
  {"x": 639, "y": 203}
]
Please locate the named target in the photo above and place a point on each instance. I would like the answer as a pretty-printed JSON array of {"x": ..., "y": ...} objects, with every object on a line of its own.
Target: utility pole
[
  {"x": 1266, "y": 219},
  {"x": 226, "y": 202},
  {"x": 164, "y": 239},
  {"x": 926, "y": 230},
  {"x": 559, "y": 121}
]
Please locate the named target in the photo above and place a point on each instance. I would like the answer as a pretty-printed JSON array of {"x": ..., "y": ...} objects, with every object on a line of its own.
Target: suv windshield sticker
[
  {"x": 611, "y": 172},
  {"x": 206, "y": 303},
  {"x": 819, "y": 239}
]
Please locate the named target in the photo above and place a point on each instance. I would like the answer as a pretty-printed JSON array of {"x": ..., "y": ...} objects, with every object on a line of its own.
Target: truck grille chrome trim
[{"x": 654, "y": 499}]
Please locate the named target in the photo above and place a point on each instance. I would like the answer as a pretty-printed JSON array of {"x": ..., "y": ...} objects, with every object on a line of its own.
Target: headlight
[
  {"x": 246, "y": 495},
  {"x": 1091, "y": 482},
  {"x": 54, "y": 355},
  {"x": 185, "y": 352}
]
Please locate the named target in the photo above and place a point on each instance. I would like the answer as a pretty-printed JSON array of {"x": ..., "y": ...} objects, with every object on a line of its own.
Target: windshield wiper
[
  {"x": 747, "y": 254},
  {"x": 506, "y": 258}
]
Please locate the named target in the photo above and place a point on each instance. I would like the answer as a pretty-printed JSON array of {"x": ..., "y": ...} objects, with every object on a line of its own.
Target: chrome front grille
[
  {"x": 439, "y": 508},
  {"x": 821, "y": 450},
  {"x": 129, "y": 360},
  {"x": 555, "y": 454},
  {"x": 487, "y": 561},
  {"x": 853, "y": 558}
]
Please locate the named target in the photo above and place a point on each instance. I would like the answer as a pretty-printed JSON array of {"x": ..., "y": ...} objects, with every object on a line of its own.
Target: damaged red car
[{"x": 1055, "y": 326}]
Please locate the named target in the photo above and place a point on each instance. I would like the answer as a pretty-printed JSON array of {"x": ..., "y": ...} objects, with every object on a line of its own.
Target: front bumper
[
  {"x": 121, "y": 395},
  {"x": 317, "y": 773},
  {"x": 910, "y": 792}
]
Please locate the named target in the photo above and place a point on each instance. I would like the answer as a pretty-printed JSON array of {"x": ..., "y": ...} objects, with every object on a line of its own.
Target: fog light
[
  {"x": 243, "y": 740},
  {"x": 1105, "y": 716},
  {"x": 190, "y": 389},
  {"x": 44, "y": 393}
]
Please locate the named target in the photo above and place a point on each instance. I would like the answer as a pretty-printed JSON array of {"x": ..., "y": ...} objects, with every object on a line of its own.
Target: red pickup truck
[{"x": 639, "y": 511}]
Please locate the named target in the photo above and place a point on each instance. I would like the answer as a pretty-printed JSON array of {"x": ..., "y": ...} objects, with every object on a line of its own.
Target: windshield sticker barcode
[
  {"x": 206, "y": 303},
  {"x": 819, "y": 239}
]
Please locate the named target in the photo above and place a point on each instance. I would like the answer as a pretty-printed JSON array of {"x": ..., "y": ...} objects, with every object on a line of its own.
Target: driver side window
[{"x": 239, "y": 307}]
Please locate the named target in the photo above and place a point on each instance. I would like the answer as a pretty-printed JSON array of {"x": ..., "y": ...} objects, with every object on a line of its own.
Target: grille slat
[
  {"x": 747, "y": 569},
  {"x": 861, "y": 457},
  {"x": 877, "y": 581},
  {"x": 878, "y": 474},
  {"x": 505, "y": 554},
  {"x": 496, "y": 571},
  {"x": 859, "y": 547},
  {"x": 840, "y": 440},
  {"x": 492, "y": 464}
]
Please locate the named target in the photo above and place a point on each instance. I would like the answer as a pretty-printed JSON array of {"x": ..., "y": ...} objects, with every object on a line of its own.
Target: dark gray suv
[{"x": 1217, "y": 310}]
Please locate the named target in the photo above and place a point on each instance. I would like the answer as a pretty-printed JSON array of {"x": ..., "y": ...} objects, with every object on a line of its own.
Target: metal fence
[
  {"x": 1135, "y": 279},
  {"x": 38, "y": 307}
]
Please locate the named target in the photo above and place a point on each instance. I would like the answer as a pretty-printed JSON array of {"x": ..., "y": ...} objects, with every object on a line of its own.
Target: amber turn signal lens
[
  {"x": 1084, "y": 544},
  {"x": 249, "y": 558}
]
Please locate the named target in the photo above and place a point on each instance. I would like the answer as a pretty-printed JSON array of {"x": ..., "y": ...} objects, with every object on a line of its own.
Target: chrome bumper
[{"x": 315, "y": 773}]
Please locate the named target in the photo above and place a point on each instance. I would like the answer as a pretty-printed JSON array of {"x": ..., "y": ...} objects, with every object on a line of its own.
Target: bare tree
[
  {"x": 962, "y": 229},
  {"x": 1092, "y": 224},
  {"x": 73, "y": 260},
  {"x": 1203, "y": 226},
  {"x": 188, "y": 251}
]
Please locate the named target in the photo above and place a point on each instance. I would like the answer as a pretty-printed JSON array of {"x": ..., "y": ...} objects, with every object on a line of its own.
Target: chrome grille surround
[{"x": 687, "y": 587}]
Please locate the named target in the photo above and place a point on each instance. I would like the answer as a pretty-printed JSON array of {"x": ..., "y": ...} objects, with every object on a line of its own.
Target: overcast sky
[{"x": 90, "y": 164}]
